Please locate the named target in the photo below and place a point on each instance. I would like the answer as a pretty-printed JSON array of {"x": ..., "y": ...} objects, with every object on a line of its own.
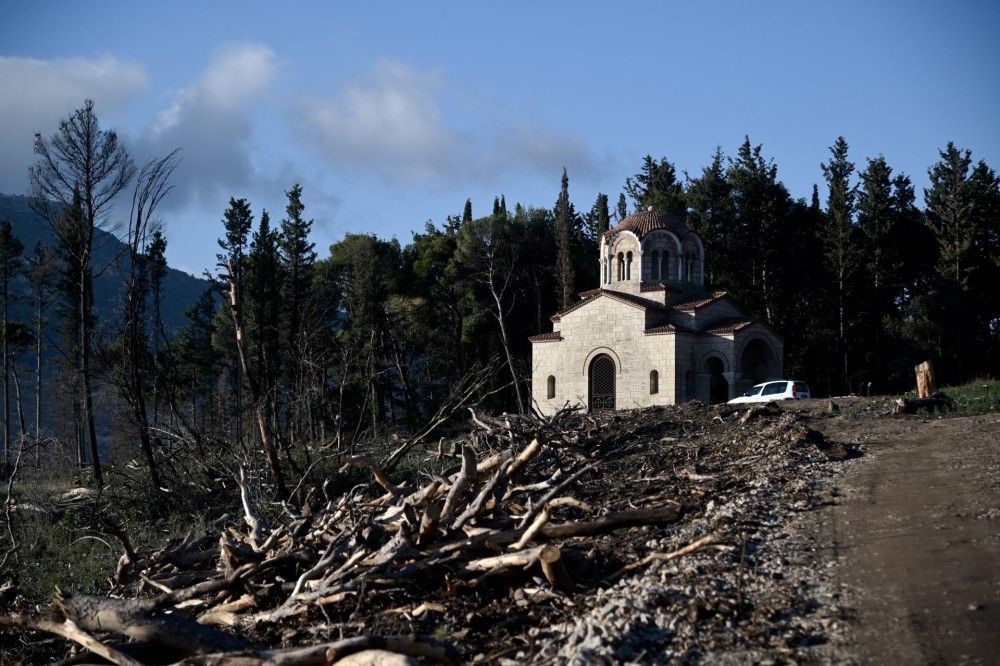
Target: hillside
[{"x": 180, "y": 290}]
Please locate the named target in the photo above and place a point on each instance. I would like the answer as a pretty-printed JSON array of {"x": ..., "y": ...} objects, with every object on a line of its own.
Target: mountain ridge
[{"x": 180, "y": 289}]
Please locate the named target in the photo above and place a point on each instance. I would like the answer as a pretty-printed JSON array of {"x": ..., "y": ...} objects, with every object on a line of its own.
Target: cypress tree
[
  {"x": 564, "y": 253},
  {"x": 467, "y": 212},
  {"x": 598, "y": 219}
]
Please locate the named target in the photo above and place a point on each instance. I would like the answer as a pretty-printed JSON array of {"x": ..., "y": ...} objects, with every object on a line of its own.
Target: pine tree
[
  {"x": 11, "y": 266},
  {"x": 237, "y": 222},
  {"x": 962, "y": 211},
  {"x": 265, "y": 306},
  {"x": 760, "y": 210},
  {"x": 877, "y": 218},
  {"x": 657, "y": 185},
  {"x": 839, "y": 239},
  {"x": 621, "y": 210},
  {"x": 156, "y": 260},
  {"x": 85, "y": 166},
  {"x": 711, "y": 214},
  {"x": 298, "y": 260}
]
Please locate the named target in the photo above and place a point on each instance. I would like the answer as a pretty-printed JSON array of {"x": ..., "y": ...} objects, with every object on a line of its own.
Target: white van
[{"x": 784, "y": 389}]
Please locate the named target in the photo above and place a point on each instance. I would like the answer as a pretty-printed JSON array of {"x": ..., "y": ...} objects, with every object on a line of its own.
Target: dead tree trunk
[
  {"x": 925, "y": 380},
  {"x": 259, "y": 407}
]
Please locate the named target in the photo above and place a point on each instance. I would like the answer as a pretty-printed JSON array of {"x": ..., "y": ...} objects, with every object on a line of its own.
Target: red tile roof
[
  {"x": 645, "y": 221},
  {"x": 699, "y": 302},
  {"x": 555, "y": 336},
  {"x": 729, "y": 326},
  {"x": 661, "y": 330},
  {"x": 656, "y": 286},
  {"x": 630, "y": 299}
]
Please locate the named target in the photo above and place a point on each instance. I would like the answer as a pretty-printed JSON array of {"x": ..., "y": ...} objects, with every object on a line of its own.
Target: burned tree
[
  {"x": 150, "y": 188},
  {"x": 82, "y": 168}
]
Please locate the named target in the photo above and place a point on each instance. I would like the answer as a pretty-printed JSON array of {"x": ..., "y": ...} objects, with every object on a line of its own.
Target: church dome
[{"x": 645, "y": 221}]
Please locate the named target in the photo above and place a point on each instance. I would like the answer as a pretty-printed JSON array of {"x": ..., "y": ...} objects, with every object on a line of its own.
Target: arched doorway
[
  {"x": 602, "y": 383},
  {"x": 718, "y": 387},
  {"x": 758, "y": 363}
]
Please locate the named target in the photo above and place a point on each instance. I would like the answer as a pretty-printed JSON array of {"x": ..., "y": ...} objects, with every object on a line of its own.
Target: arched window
[
  {"x": 551, "y": 393},
  {"x": 654, "y": 382},
  {"x": 621, "y": 266},
  {"x": 654, "y": 265},
  {"x": 628, "y": 266}
]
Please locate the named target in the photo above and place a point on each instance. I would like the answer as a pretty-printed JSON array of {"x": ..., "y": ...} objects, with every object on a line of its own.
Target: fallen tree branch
[
  {"x": 422, "y": 647},
  {"x": 70, "y": 631},
  {"x": 663, "y": 557}
]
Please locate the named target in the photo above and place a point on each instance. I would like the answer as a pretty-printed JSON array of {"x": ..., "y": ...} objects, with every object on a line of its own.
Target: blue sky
[{"x": 391, "y": 114}]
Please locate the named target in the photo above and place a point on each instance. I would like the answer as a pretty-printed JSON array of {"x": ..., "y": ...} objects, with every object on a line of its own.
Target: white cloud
[
  {"x": 237, "y": 75},
  {"x": 38, "y": 93},
  {"x": 211, "y": 121},
  {"x": 393, "y": 123}
]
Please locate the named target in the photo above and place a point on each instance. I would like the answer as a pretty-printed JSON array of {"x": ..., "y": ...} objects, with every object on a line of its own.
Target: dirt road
[{"x": 914, "y": 531}]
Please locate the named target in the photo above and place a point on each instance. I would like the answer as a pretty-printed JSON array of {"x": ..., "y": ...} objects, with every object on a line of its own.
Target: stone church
[{"x": 651, "y": 334}]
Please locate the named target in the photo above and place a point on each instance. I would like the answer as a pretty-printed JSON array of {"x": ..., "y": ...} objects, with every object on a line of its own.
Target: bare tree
[
  {"x": 81, "y": 161},
  {"x": 151, "y": 186},
  {"x": 41, "y": 273},
  {"x": 493, "y": 259}
]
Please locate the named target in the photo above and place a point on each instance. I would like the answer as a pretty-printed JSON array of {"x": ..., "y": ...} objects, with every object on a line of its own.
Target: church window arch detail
[
  {"x": 654, "y": 382},
  {"x": 550, "y": 392}
]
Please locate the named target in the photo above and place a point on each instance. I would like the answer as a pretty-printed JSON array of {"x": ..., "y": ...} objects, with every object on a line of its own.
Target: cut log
[
  {"x": 532, "y": 530},
  {"x": 520, "y": 558},
  {"x": 420, "y": 647},
  {"x": 466, "y": 477},
  {"x": 127, "y": 617},
  {"x": 612, "y": 521},
  {"x": 554, "y": 568},
  {"x": 429, "y": 523},
  {"x": 70, "y": 631},
  {"x": 522, "y": 458},
  {"x": 487, "y": 491},
  {"x": 380, "y": 476}
]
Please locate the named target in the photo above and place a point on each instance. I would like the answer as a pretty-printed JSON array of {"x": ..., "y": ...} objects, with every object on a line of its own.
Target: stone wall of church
[{"x": 617, "y": 329}]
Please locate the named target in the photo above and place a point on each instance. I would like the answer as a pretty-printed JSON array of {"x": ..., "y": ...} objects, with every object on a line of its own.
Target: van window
[{"x": 774, "y": 388}]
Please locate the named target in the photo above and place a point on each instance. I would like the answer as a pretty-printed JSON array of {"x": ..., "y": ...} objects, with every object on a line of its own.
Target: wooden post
[{"x": 925, "y": 380}]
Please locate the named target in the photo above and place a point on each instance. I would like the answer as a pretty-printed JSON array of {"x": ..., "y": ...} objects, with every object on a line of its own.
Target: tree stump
[{"x": 925, "y": 380}]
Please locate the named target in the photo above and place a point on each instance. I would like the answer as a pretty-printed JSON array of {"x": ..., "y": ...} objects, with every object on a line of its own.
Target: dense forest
[{"x": 292, "y": 351}]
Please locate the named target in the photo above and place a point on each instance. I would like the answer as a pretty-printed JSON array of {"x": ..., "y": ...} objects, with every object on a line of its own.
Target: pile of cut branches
[{"x": 437, "y": 569}]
